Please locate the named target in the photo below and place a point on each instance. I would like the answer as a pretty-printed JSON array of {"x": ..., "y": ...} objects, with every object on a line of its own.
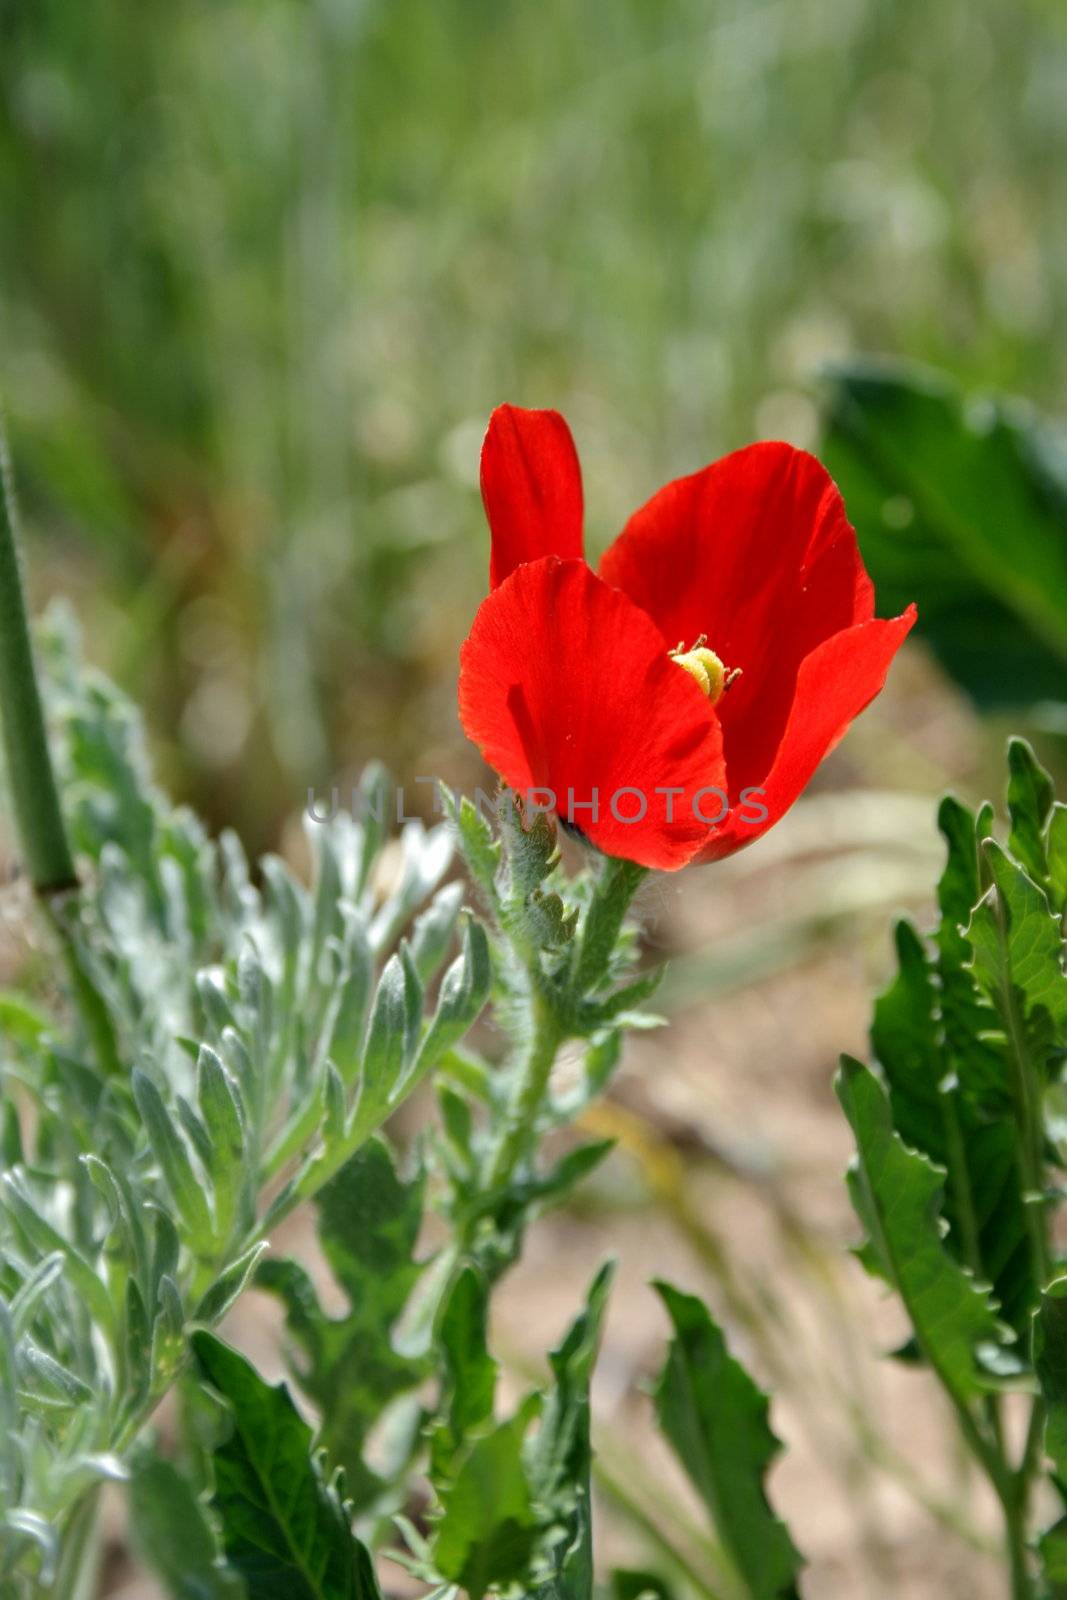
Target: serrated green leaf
[
  {"x": 546, "y": 921},
  {"x": 1018, "y": 946},
  {"x": 283, "y": 1528},
  {"x": 469, "y": 1371},
  {"x": 1030, "y": 796},
  {"x": 716, "y": 1419},
  {"x": 480, "y": 850},
  {"x": 530, "y": 849},
  {"x": 969, "y": 1024},
  {"x": 489, "y": 1527},
  {"x": 932, "y": 1113},
  {"x": 369, "y": 1220},
  {"x": 561, "y": 1456},
  {"x": 897, "y": 1194},
  {"x": 172, "y": 1536},
  {"x": 1050, "y": 1364},
  {"x": 1056, "y": 850}
]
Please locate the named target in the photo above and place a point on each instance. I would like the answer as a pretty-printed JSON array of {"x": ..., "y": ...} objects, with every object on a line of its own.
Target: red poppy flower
[{"x": 673, "y": 707}]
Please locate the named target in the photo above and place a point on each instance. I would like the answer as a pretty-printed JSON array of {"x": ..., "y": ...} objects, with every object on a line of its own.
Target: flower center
[{"x": 704, "y": 666}]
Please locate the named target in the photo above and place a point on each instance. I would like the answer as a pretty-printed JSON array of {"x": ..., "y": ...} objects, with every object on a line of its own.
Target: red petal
[
  {"x": 835, "y": 683},
  {"x": 531, "y": 489},
  {"x": 566, "y": 685},
  {"x": 756, "y": 552}
]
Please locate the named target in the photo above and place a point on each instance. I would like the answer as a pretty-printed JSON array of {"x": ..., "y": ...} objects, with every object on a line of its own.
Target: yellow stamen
[{"x": 704, "y": 666}]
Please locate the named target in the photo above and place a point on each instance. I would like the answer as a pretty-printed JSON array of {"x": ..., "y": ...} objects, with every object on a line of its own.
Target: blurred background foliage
[{"x": 266, "y": 266}]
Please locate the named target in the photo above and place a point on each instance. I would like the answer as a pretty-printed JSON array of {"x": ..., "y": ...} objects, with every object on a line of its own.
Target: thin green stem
[
  {"x": 616, "y": 887},
  {"x": 517, "y": 1131},
  {"x": 31, "y": 777},
  {"x": 29, "y": 767}
]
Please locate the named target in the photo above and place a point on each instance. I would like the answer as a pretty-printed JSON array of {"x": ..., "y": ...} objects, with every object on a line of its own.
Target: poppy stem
[
  {"x": 549, "y": 1014},
  {"x": 519, "y": 1128},
  {"x": 616, "y": 887}
]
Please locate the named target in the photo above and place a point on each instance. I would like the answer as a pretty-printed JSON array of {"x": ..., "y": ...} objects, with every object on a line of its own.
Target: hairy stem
[{"x": 518, "y": 1129}]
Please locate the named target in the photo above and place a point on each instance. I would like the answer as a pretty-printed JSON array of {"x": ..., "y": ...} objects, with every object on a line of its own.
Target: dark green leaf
[
  {"x": 1057, "y": 859},
  {"x": 369, "y": 1220},
  {"x": 897, "y": 1194},
  {"x": 630, "y": 1583},
  {"x": 562, "y": 1455},
  {"x": 1018, "y": 948},
  {"x": 1050, "y": 1363},
  {"x": 1030, "y": 797},
  {"x": 933, "y": 481},
  {"x": 716, "y": 1419},
  {"x": 172, "y": 1536},
  {"x": 284, "y": 1529},
  {"x": 489, "y": 1527},
  {"x": 469, "y": 1369},
  {"x": 931, "y": 1112}
]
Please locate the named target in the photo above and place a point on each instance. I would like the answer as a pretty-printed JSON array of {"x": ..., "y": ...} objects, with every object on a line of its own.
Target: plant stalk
[{"x": 32, "y": 781}]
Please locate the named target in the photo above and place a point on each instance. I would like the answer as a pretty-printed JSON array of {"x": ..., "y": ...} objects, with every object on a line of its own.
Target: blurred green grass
[{"x": 268, "y": 264}]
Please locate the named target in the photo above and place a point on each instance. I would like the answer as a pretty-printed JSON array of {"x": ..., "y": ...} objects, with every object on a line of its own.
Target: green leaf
[
  {"x": 368, "y": 1221},
  {"x": 1050, "y": 1364},
  {"x": 168, "y": 1147},
  {"x": 931, "y": 1112},
  {"x": 432, "y": 932},
  {"x": 716, "y": 1419},
  {"x": 631, "y": 1583},
  {"x": 1018, "y": 947},
  {"x": 469, "y": 1371},
  {"x": 480, "y": 850},
  {"x": 529, "y": 847},
  {"x": 284, "y": 1529},
  {"x": 897, "y": 1194},
  {"x": 229, "y": 1286},
  {"x": 464, "y": 991},
  {"x": 489, "y": 1526},
  {"x": 1057, "y": 859},
  {"x": 172, "y": 1536},
  {"x": 1030, "y": 796},
  {"x": 932, "y": 481},
  {"x": 387, "y": 1034},
  {"x": 969, "y": 1023},
  {"x": 562, "y": 1455},
  {"x": 223, "y": 1116}
]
